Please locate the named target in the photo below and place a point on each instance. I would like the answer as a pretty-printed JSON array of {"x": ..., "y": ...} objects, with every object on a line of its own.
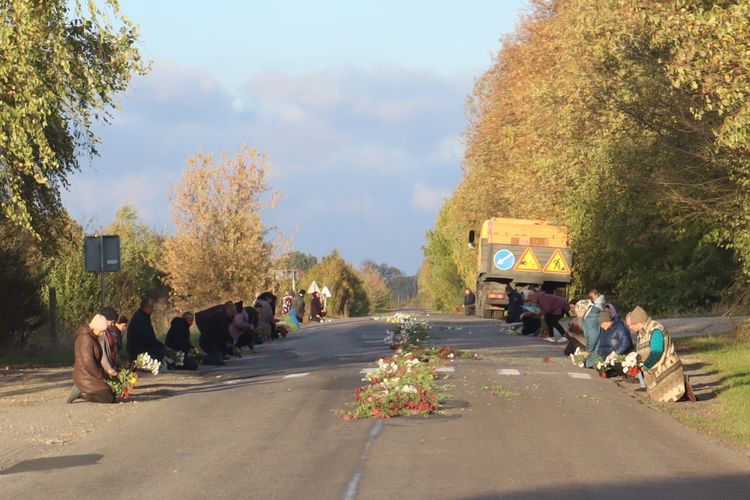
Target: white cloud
[
  {"x": 427, "y": 198},
  {"x": 350, "y": 146}
]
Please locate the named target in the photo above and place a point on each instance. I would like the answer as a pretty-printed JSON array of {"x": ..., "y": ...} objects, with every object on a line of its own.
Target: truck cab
[{"x": 519, "y": 252}]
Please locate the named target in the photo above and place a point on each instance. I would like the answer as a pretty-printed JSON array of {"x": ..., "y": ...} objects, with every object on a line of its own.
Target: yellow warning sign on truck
[
  {"x": 528, "y": 262},
  {"x": 557, "y": 264}
]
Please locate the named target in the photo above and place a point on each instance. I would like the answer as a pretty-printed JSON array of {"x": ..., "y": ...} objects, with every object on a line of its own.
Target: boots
[{"x": 75, "y": 393}]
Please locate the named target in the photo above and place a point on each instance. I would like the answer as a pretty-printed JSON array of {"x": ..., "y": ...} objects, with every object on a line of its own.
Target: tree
[
  {"x": 60, "y": 69},
  {"x": 21, "y": 275},
  {"x": 298, "y": 261},
  {"x": 375, "y": 286},
  {"x": 220, "y": 249},
  {"x": 141, "y": 256},
  {"x": 608, "y": 117},
  {"x": 349, "y": 296}
]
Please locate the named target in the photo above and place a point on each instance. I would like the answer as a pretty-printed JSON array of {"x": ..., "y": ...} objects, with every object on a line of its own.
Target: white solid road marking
[
  {"x": 352, "y": 486},
  {"x": 507, "y": 371},
  {"x": 296, "y": 375},
  {"x": 579, "y": 375},
  {"x": 446, "y": 369}
]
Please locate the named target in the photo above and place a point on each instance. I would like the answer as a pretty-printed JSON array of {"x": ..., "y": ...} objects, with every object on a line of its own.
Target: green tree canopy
[
  {"x": 61, "y": 66},
  {"x": 349, "y": 296}
]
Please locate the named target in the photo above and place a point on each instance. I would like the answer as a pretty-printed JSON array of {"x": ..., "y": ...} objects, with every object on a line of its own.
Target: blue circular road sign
[{"x": 504, "y": 259}]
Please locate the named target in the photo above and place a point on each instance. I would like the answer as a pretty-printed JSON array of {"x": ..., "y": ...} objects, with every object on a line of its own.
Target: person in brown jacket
[{"x": 88, "y": 373}]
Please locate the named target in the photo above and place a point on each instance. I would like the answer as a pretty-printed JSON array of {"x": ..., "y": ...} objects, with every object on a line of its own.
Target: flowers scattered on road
[
  {"x": 407, "y": 331},
  {"x": 400, "y": 385}
]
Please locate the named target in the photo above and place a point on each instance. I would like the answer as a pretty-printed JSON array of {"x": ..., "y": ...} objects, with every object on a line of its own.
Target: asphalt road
[{"x": 265, "y": 427}]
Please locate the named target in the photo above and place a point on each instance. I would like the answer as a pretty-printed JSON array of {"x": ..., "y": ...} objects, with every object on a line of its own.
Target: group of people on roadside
[
  {"x": 604, "y": 332},
  {"x": 224, "y": 328},
  {"x": 295, "y": 304}
]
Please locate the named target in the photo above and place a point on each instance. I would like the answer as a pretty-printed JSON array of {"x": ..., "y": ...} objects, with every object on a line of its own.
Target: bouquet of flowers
[
  {"x": 122, "y": 385},
  {"x": 197, "y": 355},
  {"x": 173, "y": 359},
  {"x": 631, "y": 365},
  {"x": 579, "y": 357},
  {"x": 147, "y": 363}
]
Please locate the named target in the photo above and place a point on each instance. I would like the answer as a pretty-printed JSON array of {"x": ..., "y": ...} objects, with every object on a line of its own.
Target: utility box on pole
[{"x": 102, "y": 255}]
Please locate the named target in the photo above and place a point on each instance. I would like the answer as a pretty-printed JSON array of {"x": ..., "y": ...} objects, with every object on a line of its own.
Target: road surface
[{"x": 265, "y": 427}]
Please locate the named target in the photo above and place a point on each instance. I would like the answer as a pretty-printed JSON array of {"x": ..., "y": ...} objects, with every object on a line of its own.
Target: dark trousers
[
  {"x": 530, "y": 325},
  {"x": 553, "y": 321},
  {"x": 246, "y": 338},
  {"x": 189, "y": 363},
  {"x": 100, "y": 397}
]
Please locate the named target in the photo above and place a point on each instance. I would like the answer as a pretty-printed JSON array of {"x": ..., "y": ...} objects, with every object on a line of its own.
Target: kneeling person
[
  {"x": 88, "y": 373},
  {"x": 662, "y": 368}
]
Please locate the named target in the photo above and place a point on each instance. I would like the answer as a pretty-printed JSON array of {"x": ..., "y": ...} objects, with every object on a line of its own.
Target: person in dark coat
[
  {"x": 470, "y": 302},
  {"x": 515, "y": 304},
  {"x": 213, "y": 324},
  {"x": 614, "y": 335},
  {"x": 178, "y": 339},
  {"x": 141, "y": 335},
  {"x": 88, "y": 373},
  {"x": 316, "y": 308},
  {"x": 298, "y": 306}
]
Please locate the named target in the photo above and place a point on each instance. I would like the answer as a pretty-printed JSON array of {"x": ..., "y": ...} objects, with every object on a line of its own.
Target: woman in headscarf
[
  {"x": 588, "y": 314},
  {"x": 662, "y": 368},
  {"x": 88, "y": 370}
]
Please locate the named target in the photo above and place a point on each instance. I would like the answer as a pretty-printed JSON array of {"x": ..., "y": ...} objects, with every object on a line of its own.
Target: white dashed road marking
[
  {"x": 579, "y": 375},
  {"x": 446, "y": 369},
  {"x": 296, "y": 375},
  {"x": 507, "y": 371}
]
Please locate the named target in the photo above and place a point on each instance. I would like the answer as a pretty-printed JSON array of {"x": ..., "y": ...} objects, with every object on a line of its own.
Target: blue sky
[{"x": 359, "y": 104}]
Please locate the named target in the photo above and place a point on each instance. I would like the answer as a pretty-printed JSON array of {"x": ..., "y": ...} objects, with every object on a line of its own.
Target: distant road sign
[{"x": 504, "y": 259}]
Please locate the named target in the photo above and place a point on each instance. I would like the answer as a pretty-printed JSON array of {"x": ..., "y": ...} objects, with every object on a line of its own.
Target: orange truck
[{"x": 518, "y": 251}]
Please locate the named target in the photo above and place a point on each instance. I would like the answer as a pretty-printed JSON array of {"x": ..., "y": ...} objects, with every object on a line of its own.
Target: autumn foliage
[
  {"x": 627, "y": 121},
  {"x": 220, "y": 249}
]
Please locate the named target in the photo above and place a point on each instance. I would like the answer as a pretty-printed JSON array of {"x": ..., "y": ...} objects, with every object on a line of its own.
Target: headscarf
[
  {"x": 99, "y": 323},
  {"x": 582, "y": 306}
]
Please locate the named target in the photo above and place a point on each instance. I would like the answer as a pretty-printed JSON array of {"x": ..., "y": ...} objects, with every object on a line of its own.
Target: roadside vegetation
[
  {"x": 727, "y": 357},
  {"x": 627, "y": 122}
]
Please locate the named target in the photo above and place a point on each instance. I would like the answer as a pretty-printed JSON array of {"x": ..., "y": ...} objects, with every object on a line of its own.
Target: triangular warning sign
[
  {"x": 557, "y": 264},
  {"x": 528, "y": 262}
]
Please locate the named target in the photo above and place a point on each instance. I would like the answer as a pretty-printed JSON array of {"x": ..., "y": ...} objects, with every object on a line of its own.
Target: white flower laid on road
[
  {"x": 174, "y": 358},
  {"x": 579, "y": 357},
  {"x": 147, "y": 363}
]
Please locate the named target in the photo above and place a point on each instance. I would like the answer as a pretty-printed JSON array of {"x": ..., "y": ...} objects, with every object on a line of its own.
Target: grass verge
[{"x": 728, "y": 356}]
